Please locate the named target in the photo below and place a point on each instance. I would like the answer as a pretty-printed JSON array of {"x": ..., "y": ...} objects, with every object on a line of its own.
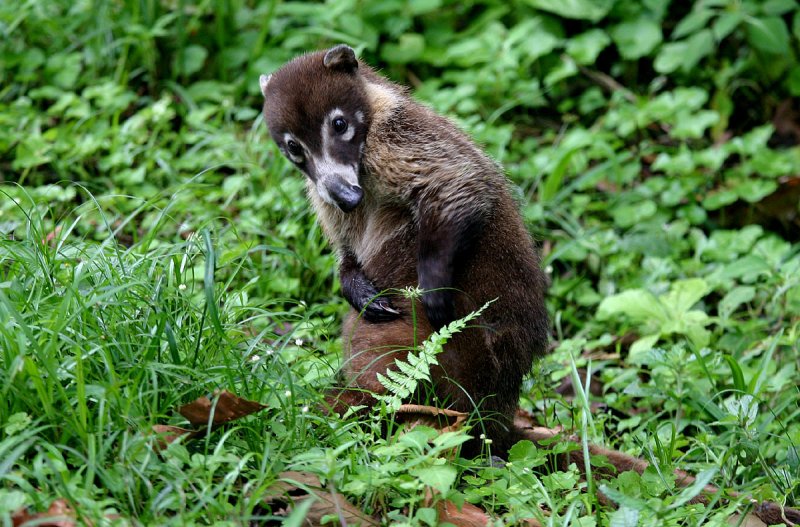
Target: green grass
[{"x": 155, "y": 248}]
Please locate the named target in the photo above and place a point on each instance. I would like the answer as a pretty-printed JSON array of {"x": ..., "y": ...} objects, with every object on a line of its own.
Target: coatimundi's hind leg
[{"x": 371, "y": 348}]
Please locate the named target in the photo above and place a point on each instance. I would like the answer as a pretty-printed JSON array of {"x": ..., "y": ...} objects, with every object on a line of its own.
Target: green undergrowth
[{"x": 155, "y": 248}]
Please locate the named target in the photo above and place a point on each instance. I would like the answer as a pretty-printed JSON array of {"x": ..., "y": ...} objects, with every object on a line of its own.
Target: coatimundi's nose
[{"x": 346, "y": 196}]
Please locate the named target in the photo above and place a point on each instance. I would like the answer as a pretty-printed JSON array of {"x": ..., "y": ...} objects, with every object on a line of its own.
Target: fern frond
[{"x": 403, "y": 381}]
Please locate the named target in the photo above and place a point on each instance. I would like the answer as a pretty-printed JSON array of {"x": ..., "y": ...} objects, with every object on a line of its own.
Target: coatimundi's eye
[
  {"x": 339, "y": 125},
  {"x": 293, "y": 148}
]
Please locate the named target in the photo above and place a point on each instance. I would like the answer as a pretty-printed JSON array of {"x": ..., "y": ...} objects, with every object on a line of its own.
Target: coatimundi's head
[{"x": 316, "y": 111}]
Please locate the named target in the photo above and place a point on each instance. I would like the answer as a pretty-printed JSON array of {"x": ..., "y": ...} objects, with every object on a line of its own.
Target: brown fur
[{"x": 436, "y": 212}]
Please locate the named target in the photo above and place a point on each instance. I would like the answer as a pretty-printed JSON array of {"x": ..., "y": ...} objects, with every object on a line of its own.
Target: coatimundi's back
[{"x": 408, "y": 199}]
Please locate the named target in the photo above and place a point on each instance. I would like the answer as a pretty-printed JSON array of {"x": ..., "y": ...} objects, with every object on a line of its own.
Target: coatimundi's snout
[{"x": 320, "y": 124}]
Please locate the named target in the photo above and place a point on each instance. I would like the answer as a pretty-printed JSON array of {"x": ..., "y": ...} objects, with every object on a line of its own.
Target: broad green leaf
[
  {"x": 670, "y": 57},
  {"x": 696, "y": 19},
  {"x": 191, "y": 59},
  {"x": 754, "y": 190},
  {"x": 643, "y": 345},
  {"x": 768, "y": 34},
  {"x": 701, "y": 480},
  {"x": 684, "y": 294},
  {"x": 440, "y": 477},
  {"x": 585, "y": 48},
  {"x": 565, "y": 69},
  {"x": 693, "y": 126},
  {"x": 726, "y": 23},
  {"x": 719, "y": 198},
  {"x": 735, "y": 298},
  {"x": 778, "y": 7},
  {"x": 408, "y": 48},
  {"x": 592, "y": 10},
  {"x": 419, "y": 7},
  {"x": 521, "y": 451},
  {"x": 630, "y": 214},
  {"x": 637, "y": 304},
  {"x": 636, "y": 39},
  {"x": 622, "y": 499}
]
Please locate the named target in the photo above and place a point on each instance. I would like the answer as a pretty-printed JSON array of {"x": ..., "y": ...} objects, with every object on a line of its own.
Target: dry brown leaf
[
  {"x": 748, "y": 521},
  {"x": 469, "y": 515},
  {"x": 228, "y": 408},
  {"x": 293, "y": 488},
  {"x": 168, "y": 434},
  {"x": 442, "y": 419},
  {"x": 59, "y": 514}
]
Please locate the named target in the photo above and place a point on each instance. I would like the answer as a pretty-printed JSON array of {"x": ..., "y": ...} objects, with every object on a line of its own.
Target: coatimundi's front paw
[
  {"x": 439, "y": 307},
  {"x": 366, "y": 299}
]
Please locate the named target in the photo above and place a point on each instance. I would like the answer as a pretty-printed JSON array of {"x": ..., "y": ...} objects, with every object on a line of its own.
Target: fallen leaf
[
  {"x": 228, "y": 408},
  {"x": 59, "y": 514},
  {"x": 52, "y": 235},
  {"x": 442, "y": 419},
  {"x": 293, "y": 488},
  {"x": 469, "y": 515},
  {"x": 748, "y": 521},
  {"x": 168, "y": 434}
]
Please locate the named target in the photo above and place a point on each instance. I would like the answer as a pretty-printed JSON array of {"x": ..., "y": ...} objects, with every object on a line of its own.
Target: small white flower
[
  {"x": 487, "y": 441},
  {"x": 288, "y": 393},
  {"x": 482, "y": 436},
  {"x": 304, "y": 409},
  {"x": 255, "y": 358},
  {"x": 182, "y": 287},
  {"x": 298, "y": 342},
  {"x": 270, "y": 351}
]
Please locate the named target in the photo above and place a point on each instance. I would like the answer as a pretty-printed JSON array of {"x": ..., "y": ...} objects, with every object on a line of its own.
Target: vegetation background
[{"x": 155, "y": 247}]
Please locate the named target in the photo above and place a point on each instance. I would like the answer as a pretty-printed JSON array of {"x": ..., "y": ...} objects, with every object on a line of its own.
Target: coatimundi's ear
[
  {"x": 263, "y": 81},
  {"x": 341, "y": 57}
]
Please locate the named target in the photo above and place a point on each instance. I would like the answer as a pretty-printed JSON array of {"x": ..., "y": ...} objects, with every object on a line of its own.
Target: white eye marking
[
  {"x": 337, "y": 113},
  {"x": 360, "y": 116},
  {"x": 297, "y": 158}
]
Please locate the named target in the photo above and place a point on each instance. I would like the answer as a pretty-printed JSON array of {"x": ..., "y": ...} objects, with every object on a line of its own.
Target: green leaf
[
  {"x": 778, "y": 7},
  {"x": 625, "y": 517},
  {"x": 697, "y": 19},
  {"x": 521, "y": 451},
  {"x": 768, "y": 34},
  {"x": 409, "y": 47},
  {"x": 701, "y": 480},
  {"x": 623, "y": 499},
  {"x": 440, "y": 477},
  {"x": 643, "y": 345},
  {"x": 754, "y": 190},
  {"x": 636, "y": 39},
  {"x": 670, "y": 57},
  {"x": 735, "y": 298},
  {"x": 565, "y": 69},
  {"x": 592, "y": 10},
  {"x": 685, "y": 54},
  {"x": 638, "y": 304},
  {"x": 585, "y": 48},
  {"x": 693, "y": 126},
  {"x": 191, "y": 59},
  {"x": 684, "y": 294},
  {"x": 736, "y": 373},
  {"x": 725, "y": 24},
  {"x": 420, "y": 7}
]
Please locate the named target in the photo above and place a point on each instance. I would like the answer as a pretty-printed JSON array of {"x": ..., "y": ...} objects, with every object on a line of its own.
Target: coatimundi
[{"x": 407, "y": 199}]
